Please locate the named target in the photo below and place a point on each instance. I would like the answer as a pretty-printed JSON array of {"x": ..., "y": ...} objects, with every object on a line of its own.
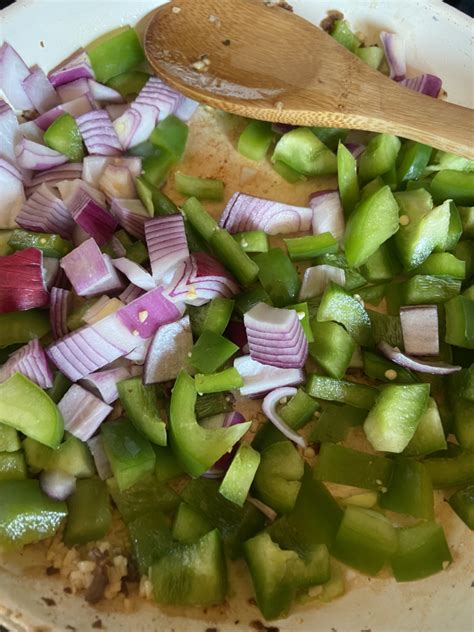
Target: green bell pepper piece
[
  {"x": 278, "y": 478},
  {"x": 302, "y": 310},
  {"x": 148, "y": 495},
  {"x": 445, "y": 160},
  {"x": 423, "y": 289},
  {"x": 330, "y": 136},
  {"x": 72, "y": 456},
  {"x": 455, "y": 227},
  {"x": 422, "y": 551},
  {"x": 354, "y": 280},
  {"x": 192, "y": 574},
  {"x": 367, "y": 500},
  {"x": 64, "y": 136},
  {"x": 144, "y": 150},
  {"x": 372, "y": 222},
  {"x": 393, "y": 420},
  {"x": 379, "y": 156},
  {"x": 26, "y": 514},
  {"x": 371, "y": 187},
  {"x": 334, "y": 423},
  {"x": 410, "y": 490},
  {"x": 216, "y": 316},
  {"x": 451, "y": 472},
  {"x": 211, "y": 351},
  {"x": 130, "y": 455},
  {"x": 465, "y": 251},
  {"x": 371, "y": 55},
  {"x": 335, "y": 586},
  {"x": 197, "y": 448},
  {"x": 20, "y": 327},
  {"x": 233, "y": 257},
  {"x": 412, "y": 160},
  {"x": 301, "y": 150},
  {"x": 189, "y": 524},
  {"x": 453, "y": 185},
  {"x": 314, "y": 519},
  {"x": 150, "y": 538},
  {"x": 342, "y": 33},
  {"x": 61, "y": 384},
  {"x": 278, "y": 277},
  {"x": 226, "y": 380},
  {"x": 129, "y": 83},
  {"x": 366, "y": 540},
  {"x": 382, "y": 265},
  {"x": 236, "y": 524},
  {"x": 332, "y": 348},
  {"x": 9, "y": 439},
  {"x": 467, "y": 218},
  {"x": 50, "y": 245},
  {"x": 460, "y": 322},
  {"x": 429, "y": 434},
  {"x": 358, "y": 395},
  {"x": 347, "y": 178},
  {"x": 155, "y": 168},
  {"x": 239, "y": 477},
  {"x": 5, "y": 249},
  {"x": 442, "y": 264},
  {"x": 12, "y": 466},
  {"x": 372, "y": 294},
  {"x": 248, "y": 299},
  {"x": 462, "y": 502},
  {"x": 337, "y": 464},
  {"x": 170, "y": 135},
  {"x": 298, "y": 410},
  {"x": 382, "y": 369},
  {"x": 467, "y": 384},
  {"x": 115, "y": 54},
  {"x": 89, "y": 515},
  {"x": 255, "y": 140},
  {"x": 200, "y": 188},
  {"x": 27, "y": 408},
  {"x": 463, "y": 427},
  {"x": 303, "y": 248},
  {"x": 140, "y": 404},
  {"x": 213, "y": 404},
  {"x": 166, "y": 466},
  {"x": 338, "y": 305},
  {"x": 286, "y": 172},
  {"x": 252, "y": 241}
]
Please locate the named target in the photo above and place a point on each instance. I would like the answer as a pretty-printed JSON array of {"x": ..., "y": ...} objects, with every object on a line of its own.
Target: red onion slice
[
  {"x": 75, "y": 67},
  {"x": 31, "y": 361},
  {"x": 75, "y": 108},
  {"x": 131, "y": 215},
  {"x": 21, "y": 281},
  {"x": 166, "y": 252},
  {"x": 221, "y": 466},
  {"x": 247, "y": 212},
  {"x": 69, "y": 171},
  {"x": 100, "y": 92},
  {"x": 99, "y": 134},
  {"x": 10, "y": 132},
  {"x": 102, "y": 465},
  {"x": 394, "y": 49},
  {"x": 262, "y": 378},
  {"x": 435, "y": 368},
  {"x": 40, "y": 90},
  {"x": 135, "y": 273},
  {"x": 130, "y": 293},
  {"x": 91, "y": 216},
  {"x": 168, "y": 351},
  {"x": 12, "y": 195},
  {"x": 103, "y": 384},
  {"x": 328, "y": 215},
  {"x": 73, "y": 90},
  {"x": 31, "y": 155},
  {"x": 60, "y": 300},
  {"x": 82, "y": 412},
  {"x": 146, "y": 314},
  {"x": 317, "y": 278},
  {"x": 237, "y": 334},
  {"x": 57, "y": 484},
  {"x": 269, "y": 406},
  {"x": 45, "y": 212},
  {"x": 94, "y": 167},
  {"x": 136, "y": 124},
  {"x": 420, "y": 329},
  {"x": 13, "y": 71},
  {"x": 427, "y": 84}
]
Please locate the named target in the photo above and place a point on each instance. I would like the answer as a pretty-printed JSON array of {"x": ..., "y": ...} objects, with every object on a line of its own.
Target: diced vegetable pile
[{"x": 128, "y": 325}]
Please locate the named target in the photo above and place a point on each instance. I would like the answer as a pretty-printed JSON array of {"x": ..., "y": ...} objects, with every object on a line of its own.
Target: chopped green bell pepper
[
  {"x": 386, "y": 327},
  {"x": 334, "y": 423},
  {"x": 423, "y": 289},
  {"x": 379, "y": 156},
  {"x": 248, "y": 299},
  {"x": 429, "y": 434},
  {"x": 303, "y": 248},
  {"x": 155, "y": 169},
  {"x": 200, "y": 188},
  {"x": 226, "y": 380},
  {"x": 451, "y": 472},
  {"x": 455, "y": 227},
  {"x": 343, "y": 34},
  {"x": 50, "y": 245},
  {"x": 129, "y": 83},
  {"x": 12, "y": 466},
  {"x": 189, "y": 524},
  {"x": 255, "y": 140},
  {"x": 358, "y": 395},
  {"x": 252, "y": 241},
  {"x": 382, "y": 265},
  {"x": 150, "y": 538},
  {"x": 233, "y": 257},
  {"x": 278, "y": 277},
  {"x": 301, "y": 150},
  {"x": 64, "y": 136},
  {"x": 140, "y": 404},
  {"x": 166, "y": 466},
  {"x": 347, "y": 179},
  {"x": 211, "y": 351},
  {"x": 61, "y": 384},
  {"x": 9, "y": 439},
  {"x": 453, "y": 185},
  {"x": 216, "y": 316},
  {"x": 332, "y": 348},
  {"x": 460, "y": 322},
  {"x": 213, "y": 404},
  {"x": 467, "y": 219},
  {"x": 371, "y": 55},
  {"x": 302, "y": 309},
  {"x": 442, "y": 264},
  {"x": 422, "y": 551},
  {"x": 115, "y": 54},
  {"x": 412, "y": 160},
  {"x": 89, "y": 515},
  {"x": 338, "y": 305},
  {"x": 286, "y": 172},
  {"x": 462, "y": 502},
  {"x": 20, "y": 327},
  {"x": 330, "y": 136},
  {"x": 72, "y": 456},
  {"x": 240, "y": 475},
  {"x": 463, "y": 427},
  {"x": 171, "y": 135},
  {"x": 380, "y": 368},
  {"x": 410, "y": 490},
  {"x": 148, "y": 495}
]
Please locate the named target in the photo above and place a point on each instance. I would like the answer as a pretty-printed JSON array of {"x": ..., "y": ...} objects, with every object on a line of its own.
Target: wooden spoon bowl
[{"x": 263, "y": 62}]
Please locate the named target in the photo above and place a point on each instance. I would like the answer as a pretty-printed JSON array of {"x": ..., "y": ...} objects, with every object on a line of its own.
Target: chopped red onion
[
  {"x": 328, "y": 216},
  {"x": 262, "y": 378},
  {"x": 276, "y": 336},
  {"x": 237, "y": 333},
  {"x": 355, "y": 148},
  {"x": 12, "y": 195},
  {"x": 138, "y": 355},
  {"x": 50, "y": 271},
  {"x": 57, "y": 484},
  {"x": 166, "y": 243},
  {"x": 117, "y": 182},
  {"x": 420, "y": 329},
  {"x": 317, "y": 278},
  {"x": 185, "y": 109},
  {"x": 40, "y": 90},
  {"x": 60, "y": 300},
  {"x": 99, "y": 134},
  {"x": 75, "y": 108},
  {"x": 135, "y": 273},
  {"x": 148, "y": 312},
  {"x": 394, "y": 49},
  {"x": 45, "y": 212},
  {"x": 136, "y": 124},
  {"x": 69, "y": 171},
  {"x": 102, "y": 465},
  {"x": 21, "y": 281},
  {"x": 103, "y": 304},
  {"x": 435, "y": 368},
  {"x": 221, "y": 466},
  {"x": 168, "y": 351},
  {"x": 31, "y": 155},
  {"x": 13, "y": 71},
  {"x": 427, "y": 84},
  {"x": 91, "y": 216},
  {"x": 30, "y": 360},
  {"x": 103, "y": 384},
  {"x": 282, "y": 128},
  {"x": 248, "y": 212},
  {"x": 94, "y": 167},
  {"x": 10, "y": 133},
  {"x": 73, "y": 90},
  {"x": 130, "y": 293},
  {"x": 30, "y": 131},
  {"x": 90, "y": 271},
  {"x": 100, "y": 92},
  {"x": 75, "y": 67},
  {"x": 116, "y": 109},
  {"x": 117, "y": 246},
  {"x": 71, "y": 189},
  {"x": 82, "y": 412},
  {"x": 269, "y": 406},
  {"x": 131, "y": 215}
]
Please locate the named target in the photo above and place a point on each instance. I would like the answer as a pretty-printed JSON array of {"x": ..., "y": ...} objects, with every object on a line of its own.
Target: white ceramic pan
[{"x": 439, "y": 40}]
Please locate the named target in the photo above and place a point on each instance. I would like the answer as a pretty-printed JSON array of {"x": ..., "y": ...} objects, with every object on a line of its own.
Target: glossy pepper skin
[
  {"x": 422, "y": 551},
  {"x": 140, "y": 403},
  {"x": 89, "y": 514}
]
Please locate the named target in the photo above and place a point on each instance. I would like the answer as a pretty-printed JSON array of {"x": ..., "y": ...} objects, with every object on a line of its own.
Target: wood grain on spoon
[{"x": 263, "y": 62}]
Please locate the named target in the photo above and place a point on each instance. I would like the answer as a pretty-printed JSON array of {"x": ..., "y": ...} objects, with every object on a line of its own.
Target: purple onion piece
[
  {"x": 82, "y": 412},
  {"x": 57, "y": 484},
  {"x": 435, "y": 368},
  {"x": 269, "y": 406}
]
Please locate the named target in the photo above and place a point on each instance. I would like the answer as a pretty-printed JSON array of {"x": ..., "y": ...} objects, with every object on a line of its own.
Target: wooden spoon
[{"x": 263, "y": 62}]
